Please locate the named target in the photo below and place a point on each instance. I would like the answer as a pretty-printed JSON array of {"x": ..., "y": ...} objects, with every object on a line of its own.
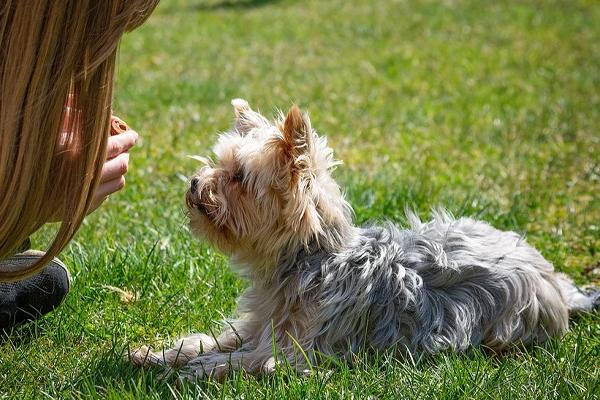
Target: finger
[
  {"x": 115, "y": 167},
  {"x": 119, "y": 143},
  {"x": 104, "y": 190},
  {"x": 97, "y": 203},
  {"x": 107, "y": 188}
]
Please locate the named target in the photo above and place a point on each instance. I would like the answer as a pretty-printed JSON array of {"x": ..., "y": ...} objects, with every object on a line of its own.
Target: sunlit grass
[{"x": 490, "y": 109}]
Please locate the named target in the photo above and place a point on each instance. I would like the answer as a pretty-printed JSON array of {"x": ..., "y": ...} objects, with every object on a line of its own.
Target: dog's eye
[{"x": 238, "y": 176}]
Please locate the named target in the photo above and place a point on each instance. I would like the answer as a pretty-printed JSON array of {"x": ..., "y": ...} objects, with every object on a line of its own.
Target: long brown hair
[{"x": 51, "y": 52}]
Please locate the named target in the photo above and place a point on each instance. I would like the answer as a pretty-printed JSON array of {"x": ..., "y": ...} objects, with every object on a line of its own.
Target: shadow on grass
[
  {"x": 229, "y": 4},
  {"x": 476, "y": 373},
  {"x": 110, "y": 372},
  {"x": 26, "y": 333},
  {"x": 224, "y": 5}
]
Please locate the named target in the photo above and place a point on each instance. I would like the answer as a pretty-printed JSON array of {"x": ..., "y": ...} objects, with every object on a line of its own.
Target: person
[{"x": 58, "y": 161}]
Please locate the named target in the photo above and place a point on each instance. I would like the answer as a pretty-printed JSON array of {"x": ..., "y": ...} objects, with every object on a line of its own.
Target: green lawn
[{"x": 490, "y": 108}]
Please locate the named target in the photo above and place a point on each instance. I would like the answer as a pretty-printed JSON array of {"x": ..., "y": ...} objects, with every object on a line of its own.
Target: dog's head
[{"x": 268, "y": 187}]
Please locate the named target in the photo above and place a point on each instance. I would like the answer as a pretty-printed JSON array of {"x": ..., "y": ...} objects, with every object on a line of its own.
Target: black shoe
[{"x": 30, "y": 298}]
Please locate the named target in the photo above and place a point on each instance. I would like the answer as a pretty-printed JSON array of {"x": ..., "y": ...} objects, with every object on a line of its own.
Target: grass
[{"x": 490, "y": 108}]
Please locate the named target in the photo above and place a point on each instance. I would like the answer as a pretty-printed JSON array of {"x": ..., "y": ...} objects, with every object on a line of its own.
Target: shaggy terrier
[{"x": 320, "y": 286}]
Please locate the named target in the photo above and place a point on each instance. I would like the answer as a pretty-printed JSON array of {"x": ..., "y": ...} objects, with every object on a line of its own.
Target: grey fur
[{"x": 444, "y": 285}]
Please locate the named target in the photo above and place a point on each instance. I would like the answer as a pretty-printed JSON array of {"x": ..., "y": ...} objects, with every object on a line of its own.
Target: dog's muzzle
[{"x": 197, "y": 196}]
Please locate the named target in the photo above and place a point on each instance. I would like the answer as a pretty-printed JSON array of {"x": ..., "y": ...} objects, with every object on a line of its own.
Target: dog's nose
[{"x": 194, "y": 185}]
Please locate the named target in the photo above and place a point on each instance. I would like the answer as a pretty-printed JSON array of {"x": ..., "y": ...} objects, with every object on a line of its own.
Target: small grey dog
[{"x": 321, "y": 286}]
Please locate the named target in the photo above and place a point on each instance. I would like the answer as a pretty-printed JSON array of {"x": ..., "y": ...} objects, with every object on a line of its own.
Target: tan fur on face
[{"x": 268, "y": 189}]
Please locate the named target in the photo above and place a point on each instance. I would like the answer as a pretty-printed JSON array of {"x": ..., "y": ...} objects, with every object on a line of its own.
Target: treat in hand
[{"x": 117, "y": 126}]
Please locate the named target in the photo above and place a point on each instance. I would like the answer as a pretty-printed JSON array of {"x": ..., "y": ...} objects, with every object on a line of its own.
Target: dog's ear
[
  {"x": 245, "y": 118},
  {"x": 297, "y": 133},
  {"x": 298, "y": 144}
]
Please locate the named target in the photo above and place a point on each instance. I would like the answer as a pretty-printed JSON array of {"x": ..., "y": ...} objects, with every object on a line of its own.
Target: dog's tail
[{"x": 578, "y": 300}]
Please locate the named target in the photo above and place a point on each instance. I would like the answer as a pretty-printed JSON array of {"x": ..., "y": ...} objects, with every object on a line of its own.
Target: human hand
[{"x": 112, "y": 177}]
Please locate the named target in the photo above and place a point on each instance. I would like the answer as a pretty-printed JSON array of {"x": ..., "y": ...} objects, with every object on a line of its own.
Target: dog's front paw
[
  {"x": 185, "y": 350},
  {"x": 215, "y": 366},
  {"x": 144, "y": 358},
  {"x": 207, "y": 371}
]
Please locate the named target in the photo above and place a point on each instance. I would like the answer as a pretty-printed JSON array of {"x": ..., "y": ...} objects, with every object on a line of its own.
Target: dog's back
[{"x": 442, "y": 285}]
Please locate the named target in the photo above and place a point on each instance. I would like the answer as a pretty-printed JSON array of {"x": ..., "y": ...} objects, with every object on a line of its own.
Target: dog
[{"x": 321, "y": 286}]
